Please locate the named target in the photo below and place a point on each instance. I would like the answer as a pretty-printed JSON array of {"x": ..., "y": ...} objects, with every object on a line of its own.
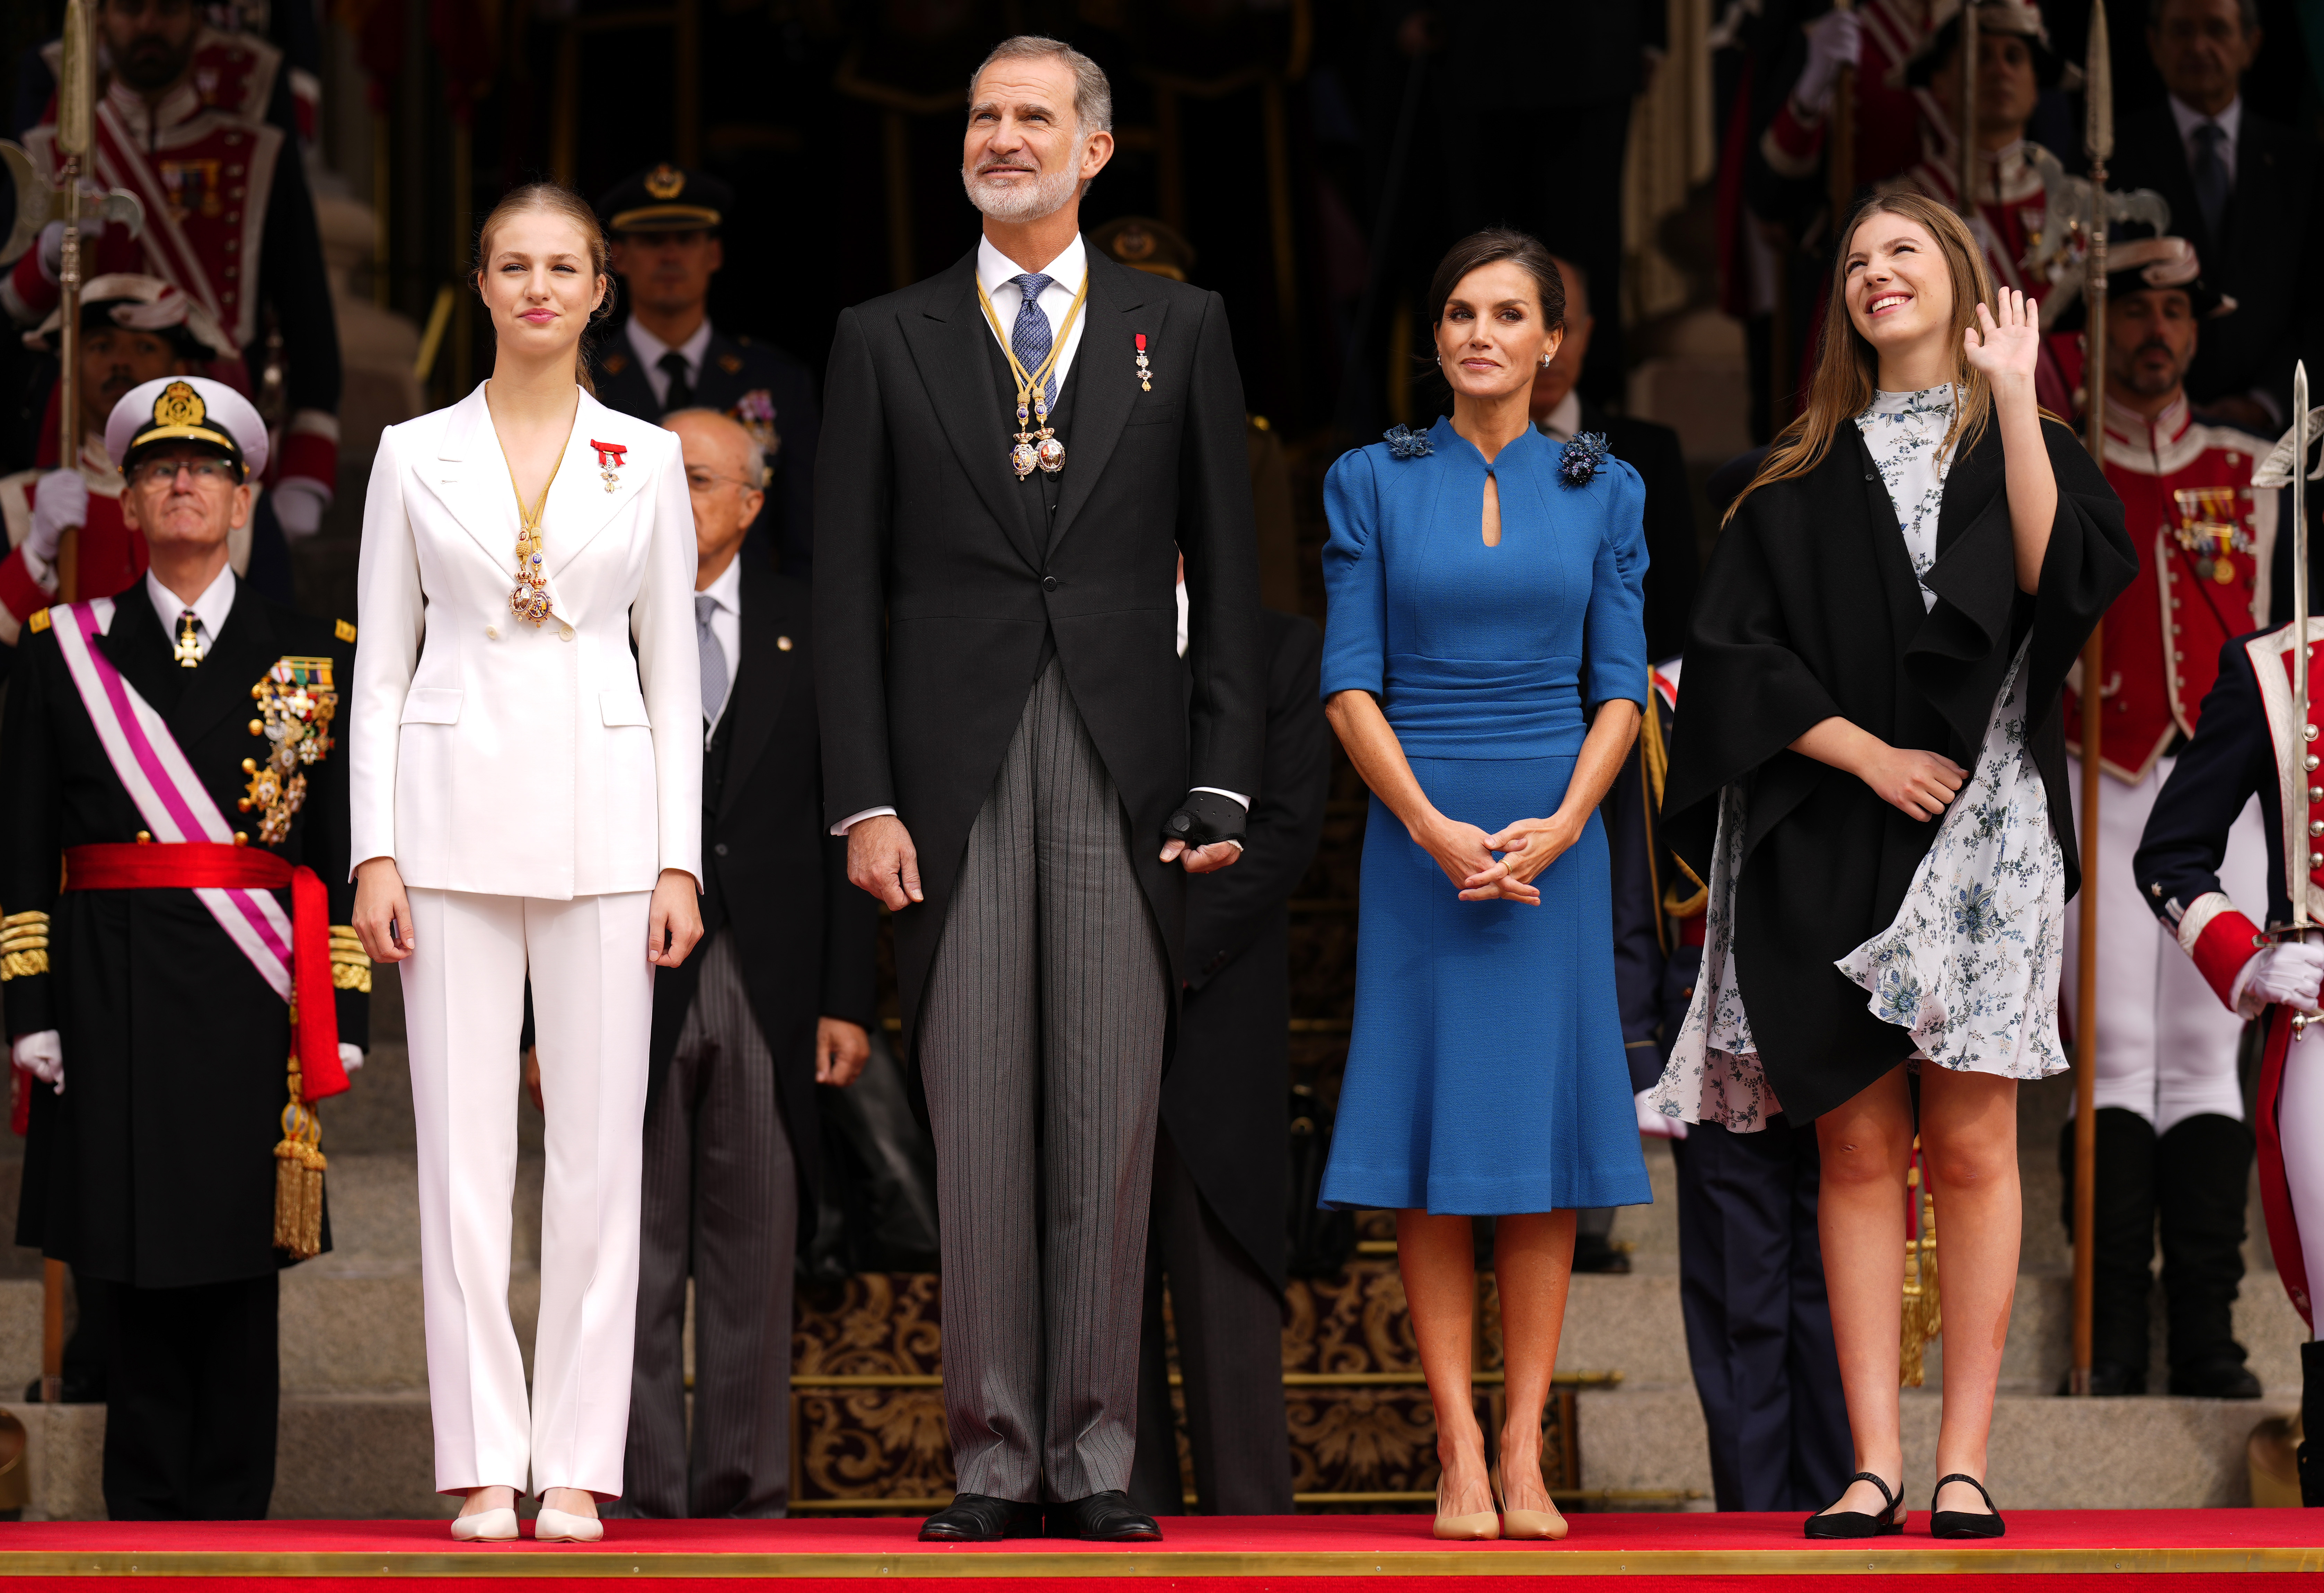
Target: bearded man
[{"x": 1022, "y": 768}]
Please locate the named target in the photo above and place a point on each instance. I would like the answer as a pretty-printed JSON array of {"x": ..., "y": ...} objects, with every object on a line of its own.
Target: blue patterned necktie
[
  {"x": 1030, "y": 338},
  {"x": 2212, "y": 182},
  {"x": 713, "y": 658}
]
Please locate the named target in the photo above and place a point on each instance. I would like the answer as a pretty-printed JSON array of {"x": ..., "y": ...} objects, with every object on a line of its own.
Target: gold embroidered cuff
[
  {"x": 24, "y": 945},
  {"x": 350, "y": 963}
]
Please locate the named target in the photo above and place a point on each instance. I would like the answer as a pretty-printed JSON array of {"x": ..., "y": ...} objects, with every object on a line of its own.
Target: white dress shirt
[
  {"x": 210, "y": 608},
  {"x": 2230, "y": 121},
  {"x": 998, "y": 272},
  {"x": 726, "y": 630},
  {"x": 649, "y": 349}
]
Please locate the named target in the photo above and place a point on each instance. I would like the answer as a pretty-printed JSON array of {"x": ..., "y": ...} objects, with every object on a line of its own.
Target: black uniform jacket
[
  {"x": 732, "y": 369},
  {"x": 2266, "y": 260},
  {"x": 944, "y": 583},
  {"x": 156, "y": 1165},
  {"x": 1809, "y": 611},
  {"x": 1225, "y": 1099},
  {"x": 2230, "y": 759},
  {"x": 1674, "y": 546},
  {"x": 772, "y": 878}
]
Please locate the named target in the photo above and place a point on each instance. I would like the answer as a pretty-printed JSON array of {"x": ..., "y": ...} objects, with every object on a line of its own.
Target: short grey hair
[
  {"x": 754, "y": 457},
  {"x": 2248, "y": 10},
  {"x": 1092, "y": 94}
]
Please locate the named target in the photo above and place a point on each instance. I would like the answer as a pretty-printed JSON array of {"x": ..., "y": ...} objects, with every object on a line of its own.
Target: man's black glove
[{"x": 1204, "y": 819}]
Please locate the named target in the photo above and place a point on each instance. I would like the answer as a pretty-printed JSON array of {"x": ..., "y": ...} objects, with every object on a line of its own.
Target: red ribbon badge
[
  {"x": 1142, "y": 342},
  {"x": 609, "y": 453}
]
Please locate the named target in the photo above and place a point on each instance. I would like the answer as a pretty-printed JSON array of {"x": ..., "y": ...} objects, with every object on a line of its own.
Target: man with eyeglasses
[
  {"x": 200, "y": 125},
  {"x": 173, "y": 850},
  {"x": 778, "y": 1001}
]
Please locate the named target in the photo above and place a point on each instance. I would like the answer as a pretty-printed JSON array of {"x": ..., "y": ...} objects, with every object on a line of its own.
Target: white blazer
[{"x": 493, "y": 756}]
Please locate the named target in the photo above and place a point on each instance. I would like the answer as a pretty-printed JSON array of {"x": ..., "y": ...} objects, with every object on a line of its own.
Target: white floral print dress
[{"x": 1971, "y": 964}]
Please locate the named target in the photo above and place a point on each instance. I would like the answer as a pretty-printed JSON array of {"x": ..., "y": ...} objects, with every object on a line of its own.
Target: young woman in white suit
[{"x": 527, "y": 794}]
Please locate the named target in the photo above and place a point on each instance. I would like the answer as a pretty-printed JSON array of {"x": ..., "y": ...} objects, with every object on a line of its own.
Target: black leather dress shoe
[
  {"x": 2108, "y": 1381},
  {"x": 2223, "y": 1377},
  {"x": 1103, "y": 1518},
  {"x": 980, "y": 1518}
]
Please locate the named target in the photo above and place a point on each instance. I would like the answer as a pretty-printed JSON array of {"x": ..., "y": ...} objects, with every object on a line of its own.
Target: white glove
[
  {"x": 42, "y": 1055},
  {"x": 59, "y": 503},
  {"x": 52, "y": 250},
  {"x": 1836, "y": 41},
  {"x": 299, "y": 505},
  {"x": 351, "y": 1057},
  {"x": 2287, "y": 971}
]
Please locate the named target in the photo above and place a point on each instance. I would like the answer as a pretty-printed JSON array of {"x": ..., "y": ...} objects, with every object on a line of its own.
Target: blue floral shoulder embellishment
[
  {"x": 1406, "y": 443},
  {"x": 1578, "y": 463}
]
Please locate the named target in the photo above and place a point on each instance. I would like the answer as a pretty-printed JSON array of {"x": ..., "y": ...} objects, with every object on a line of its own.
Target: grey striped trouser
[
  {"x": 721, "y": 1203},
  {"x": 1041, "y": 1048}
]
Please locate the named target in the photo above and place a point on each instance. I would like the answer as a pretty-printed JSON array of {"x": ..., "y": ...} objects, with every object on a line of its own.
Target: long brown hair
[
  {"x": 1848, "y": 367},
  {"x": 559, "y": 200}
]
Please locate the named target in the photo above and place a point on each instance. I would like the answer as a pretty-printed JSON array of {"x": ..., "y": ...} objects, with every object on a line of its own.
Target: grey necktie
[
  {"x": 2212, "y": 182},
  {"x": 713, "y": 658},
  {"x": 1031, "y": 337}
]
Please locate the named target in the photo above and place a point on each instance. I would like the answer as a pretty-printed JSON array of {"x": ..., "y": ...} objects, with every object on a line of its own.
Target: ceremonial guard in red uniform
[
  {"x": 1877, "y": 38},
  {"x": 133, "y": 329},
  {"x": 2172, "y": 1141},
  {"x": 2254, "y": 745},
  {"x": 193, "y": 121},
  {"x": 173, "y": 850}
]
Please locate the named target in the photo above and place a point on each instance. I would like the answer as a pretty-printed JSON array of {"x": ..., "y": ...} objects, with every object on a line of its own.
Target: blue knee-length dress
[{"x": 1486, "y": 1074}]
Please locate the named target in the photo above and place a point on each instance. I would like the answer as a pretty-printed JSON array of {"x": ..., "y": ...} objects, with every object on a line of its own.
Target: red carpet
[{"x": 2054, "y": 1551}]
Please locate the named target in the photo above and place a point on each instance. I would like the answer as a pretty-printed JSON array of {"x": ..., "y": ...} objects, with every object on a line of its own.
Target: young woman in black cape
[{"x": 1869, "y": 772}]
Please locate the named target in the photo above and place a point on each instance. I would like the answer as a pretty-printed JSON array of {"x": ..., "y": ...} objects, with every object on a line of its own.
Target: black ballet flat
[
  {"x": 1964, "y": 1524},
  {"x": 1856, "y": 1524}
]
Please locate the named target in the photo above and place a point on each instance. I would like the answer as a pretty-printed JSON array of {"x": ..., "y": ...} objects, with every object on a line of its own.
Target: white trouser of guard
[
  {"x": 2166, "y": 1042},
  {"x": 593, "y": 1018},
  {"x": 2300, "y": 1120}
]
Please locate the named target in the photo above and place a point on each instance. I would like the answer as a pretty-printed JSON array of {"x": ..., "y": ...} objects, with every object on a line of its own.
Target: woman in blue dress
[{"x": 1485, "y": 666}]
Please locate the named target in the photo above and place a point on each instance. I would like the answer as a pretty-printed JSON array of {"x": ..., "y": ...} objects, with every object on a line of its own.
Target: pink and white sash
[{"x": 169, "y": 796}]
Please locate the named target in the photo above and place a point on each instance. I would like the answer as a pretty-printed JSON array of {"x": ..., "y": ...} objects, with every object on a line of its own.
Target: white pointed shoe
[
  {"x": 485, "y": 1526},
  {"x": 553, "y": 1525}
]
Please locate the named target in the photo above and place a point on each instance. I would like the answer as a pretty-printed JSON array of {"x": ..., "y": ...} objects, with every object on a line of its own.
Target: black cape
[{"x": 1809, "y": 609}]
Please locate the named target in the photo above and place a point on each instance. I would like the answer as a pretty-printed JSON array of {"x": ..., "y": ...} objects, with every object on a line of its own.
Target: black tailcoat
[
  {"x": 772, "y": 878},
  {"x": 732, "y": 368},
  {"x": 2230, "y": 760},
  {"x": 1810, "y": 611},
  {"x": 1673, "y": 544},
  {"x": 2266, "y": 260},
  {"x": 155, "y": 1167},
  {"x": 940, "y": 593},
  {"x": 1226, "y": 1097}
]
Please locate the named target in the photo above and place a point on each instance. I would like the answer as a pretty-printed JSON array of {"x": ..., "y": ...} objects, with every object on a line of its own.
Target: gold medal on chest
[{"x": 1035, "y": 446}]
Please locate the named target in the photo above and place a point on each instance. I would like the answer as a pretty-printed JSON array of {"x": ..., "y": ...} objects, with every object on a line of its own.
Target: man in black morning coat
[
  {"x": 153, "y": 1170},
  {"x": 1008, "y": 737},
  {"x": 2241, "y": 192},
  {"x": 1220, "y": 1166},
  {"x": 667, "y": 354}
]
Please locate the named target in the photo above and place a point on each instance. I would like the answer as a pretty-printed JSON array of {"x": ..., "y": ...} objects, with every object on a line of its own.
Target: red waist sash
[{"x": 193, "y": 865}]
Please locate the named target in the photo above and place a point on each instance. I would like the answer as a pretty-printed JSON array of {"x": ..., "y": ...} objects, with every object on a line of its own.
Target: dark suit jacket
[
  {"x": 2267, "y": 259},
  {"x": 1225, "y": 1097},
  {"x": 772, "y": 878},
  {"x": 156, "y": 1166},
  {"x": 1673, "y": 541},
  {"x": 733, "y": 368},
  {"x": 940, "y": 591}
]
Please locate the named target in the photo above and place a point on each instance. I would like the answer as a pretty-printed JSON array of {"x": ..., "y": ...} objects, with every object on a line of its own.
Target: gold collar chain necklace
[
  {"x": 530, "y": 599},
  {"x": 1038, "y": 446}
]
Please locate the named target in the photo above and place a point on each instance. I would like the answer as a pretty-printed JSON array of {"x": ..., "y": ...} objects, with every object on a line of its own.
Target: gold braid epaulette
[
  {"x": 350, "y": 963},
  {"x": 24, "y": 945}
]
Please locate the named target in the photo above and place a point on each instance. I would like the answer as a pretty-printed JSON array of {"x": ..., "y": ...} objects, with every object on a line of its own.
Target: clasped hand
[{"x": 1465, "y": 854}]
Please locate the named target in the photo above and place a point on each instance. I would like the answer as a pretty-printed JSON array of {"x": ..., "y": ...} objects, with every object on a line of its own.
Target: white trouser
[
  {"x": 2166, "y": 1042},
  {"x": 592, "y": 1016},
  {"x": 2300, "y": 1120}
]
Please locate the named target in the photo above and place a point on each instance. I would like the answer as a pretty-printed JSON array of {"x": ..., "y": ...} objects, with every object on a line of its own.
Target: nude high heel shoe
[
  {"x": 1481, "y": 1526},
  {"x": 485, "y": 1526},
  {"x": 1543, "y": 1525}
]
